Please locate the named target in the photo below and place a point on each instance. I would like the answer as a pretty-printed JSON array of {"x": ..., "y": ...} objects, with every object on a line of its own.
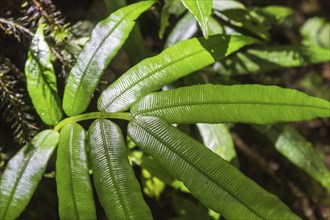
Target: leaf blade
[
  {"x": 23, "y": 173},
  {"x": 201, "y": 11},
  {"x": 41, "y": 80},
  {"x": 107, "y": 38},
  {"x": 212, "y": 180},
  {"x": 113, "y": 175},
  {"x": 74, "y": 189},
  {"x": 239, "y": 103},
  {"x": 183, "y": 30},
  {"x": 273, "y": 58},
  {"x": 315, "y": 31},
  {"x": 300, "y": 152},
  {"x": 217, "y": 138},
  {"x": 173, "y": 63}
]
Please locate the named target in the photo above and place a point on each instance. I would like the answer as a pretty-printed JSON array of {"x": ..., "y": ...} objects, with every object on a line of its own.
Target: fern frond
[
  {"x": 58, "y": 32},
  {"x": 12, "y": 27},
  {"x": 14, "y": 103}
]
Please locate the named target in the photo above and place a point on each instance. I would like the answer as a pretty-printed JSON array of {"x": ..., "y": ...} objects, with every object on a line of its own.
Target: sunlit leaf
[
  {"x": 24, "y": 172},
  {"x": 74, "y": 188},
  {"x": 133, "y": 46},
  {"x": 173, "y": 63},
  {"x": 155, "y": 170},
  {"x": 152, "y": 186},
  {"x": 117, "y": 188},
  {"x": 315, "y": 31},
  {"x": 273, "y": 58},
  {"x": 215, "y": 27},
  {"x": 152, "y": 166},
  {"x": 273, "y": 14},
  {"x": 241, "y": 19},
  {"x": 212, "y": 180},
  {"x": 41, "y": 80},
  {"x": 107, "y": 38},
  {"x": 183, "y": 30},
  {"x": 228, "y": 4},
  {"x": 239, "y": 103},
  {"x": 202, "y": 11},
  {"x": 170, "y": 7},
  {"x": 218, "y": 139},
  {"x": 301, "y": 153}
]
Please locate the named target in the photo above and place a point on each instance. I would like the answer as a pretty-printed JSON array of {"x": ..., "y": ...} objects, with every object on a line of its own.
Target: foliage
[
  {"x": 166, "y": 153},
  {"x": 15, "y": 106},
  {"x": 41, "y": 80}
]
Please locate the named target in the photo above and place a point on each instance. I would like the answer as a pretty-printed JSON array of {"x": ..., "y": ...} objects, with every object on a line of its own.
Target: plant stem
[
  {"x": 93, "y": 115},
  {"x": 15, "y": 25}
]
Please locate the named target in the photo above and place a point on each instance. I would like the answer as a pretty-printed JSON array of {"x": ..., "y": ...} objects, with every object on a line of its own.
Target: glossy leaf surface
[
  {"x": 74, "y": 188},
  {"x": 273, "y": 58},
  {"x": 23, "y": 173},
  {"x": 240, "y": 103},
  {"x": 215, "y": 27},
  {"x": 107, "y": 38},
  {"x": 183, "y": 30},
  {"x": 202, "y": 11},
  {"x": 315, "y": 32},
  {"x": 41, "y": 80},
  {"x": 170, "y": 7},
  {"x": 242, "y": 20},
  {"x": 117, "y": 188},
  {"x": 273, "y": 14},
  {"x": 134, "y": 46},
  {"x": 218, "y": 139},
  {"x": 228, "y": 4},
  {"x": 173, "y": 63},
  {"x": 300, "y": 152},
  {"x": 212, "y": 180}
]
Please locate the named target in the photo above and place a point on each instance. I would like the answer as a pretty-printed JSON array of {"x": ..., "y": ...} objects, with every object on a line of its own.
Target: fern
[
  {"x": 33, "y": 12},
  {"x": 177, "y": 159},
  {"x": 15, "y": 105}
]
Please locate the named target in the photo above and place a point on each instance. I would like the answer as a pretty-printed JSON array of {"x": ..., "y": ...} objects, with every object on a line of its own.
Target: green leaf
[
  {"x": 315, "y": 32},
  {"x": 215, "y": 27},
  {"x": 23, "y": 173},
  {"x": 116, "y": 186},
  {"x": 301, "y": 153},
  {"x": 273, "y": 58},
  {"x": 187, "y": 209},
  {"x": 152, "y": 186},
  {"x": 41, "y": 80},
  {"x": 273, "y": 14},
  {"x": 107, "y": 38},
  {"x": 218, "y": 139},
  {"x": 176, "y": 7},
  {"x": 242, "y": 20},
  {"x": 164, "y": 20},
  {"x": 228, "y": 4},
  {"x": 240, "y": 103},
  {"x": 75, "y": 193},
  {"x": 202, "y": 12},
  {"x": 154, "y": 168},
  {"x": 171, "y": 7},
  {"x": 212, "y": 180},
  {"x": 173, "y": 63},
  {"x": 183, "y": 30},
  {"x": 134, "y": 46},
  {"x": 112, "y": 6}
]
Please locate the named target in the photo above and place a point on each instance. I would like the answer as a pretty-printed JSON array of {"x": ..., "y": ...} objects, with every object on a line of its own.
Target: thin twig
[{"x": 15, "y": 25}]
